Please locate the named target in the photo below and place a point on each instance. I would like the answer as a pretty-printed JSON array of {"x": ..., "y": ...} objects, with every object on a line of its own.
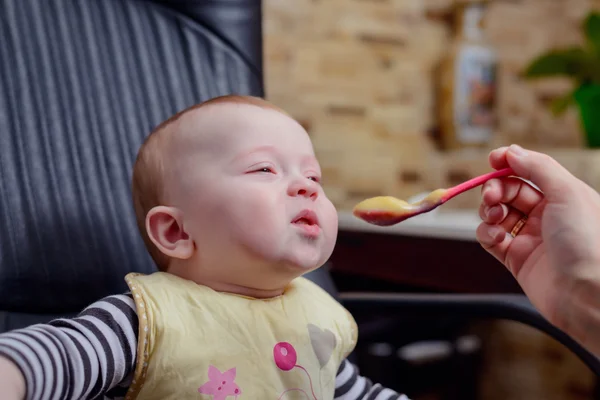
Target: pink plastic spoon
[{"x": 388, "y": 210}]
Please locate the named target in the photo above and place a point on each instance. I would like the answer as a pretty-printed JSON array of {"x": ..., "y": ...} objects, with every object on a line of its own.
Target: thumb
[{"x": 541, "y": 169}]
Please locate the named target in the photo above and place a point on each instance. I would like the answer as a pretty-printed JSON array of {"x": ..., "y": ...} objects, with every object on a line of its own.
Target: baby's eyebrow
[
  {"x": 310, "y": 159},
  {"x": 261, "y": 149}
]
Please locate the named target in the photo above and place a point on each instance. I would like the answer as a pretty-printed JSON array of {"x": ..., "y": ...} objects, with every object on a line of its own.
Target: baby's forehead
[
  {"x": 218, "y": 130},
  {"x": 222, "y": 125},
  {"x": 199, "y": 128}
]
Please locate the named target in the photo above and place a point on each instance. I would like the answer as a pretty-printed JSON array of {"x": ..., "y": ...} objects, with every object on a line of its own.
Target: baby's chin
[{"x": 303, "y": 266}]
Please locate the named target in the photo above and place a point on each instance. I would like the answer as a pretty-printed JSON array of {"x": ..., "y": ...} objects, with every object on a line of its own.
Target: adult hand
[{"x": 555, "y": 257}]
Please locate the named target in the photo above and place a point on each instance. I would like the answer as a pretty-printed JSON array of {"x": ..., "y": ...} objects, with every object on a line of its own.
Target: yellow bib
[{"x": 196, "y": 343}]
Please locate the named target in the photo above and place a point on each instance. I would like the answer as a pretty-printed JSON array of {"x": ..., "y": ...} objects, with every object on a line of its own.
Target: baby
[{"x": 228, "y": 199}]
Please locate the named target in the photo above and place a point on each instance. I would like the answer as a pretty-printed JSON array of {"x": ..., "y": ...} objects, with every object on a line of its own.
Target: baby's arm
[
  {"x": 351, "y": 386},
  {"x": 77, "y": 358},
  {"x": 12, "y": 384}
]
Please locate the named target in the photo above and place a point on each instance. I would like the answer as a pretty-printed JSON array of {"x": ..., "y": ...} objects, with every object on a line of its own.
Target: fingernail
[
  {"x": 486, "y": 211},
  {"x": 517, "y": 150},
  {"x": 493, "y": 212},
  {"x": 493, "y": 232},
  {"x": 485, "y": 188}
]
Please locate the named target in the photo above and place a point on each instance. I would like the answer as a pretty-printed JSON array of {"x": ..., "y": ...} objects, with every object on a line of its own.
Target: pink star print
[{"x": 220, "y": 385}]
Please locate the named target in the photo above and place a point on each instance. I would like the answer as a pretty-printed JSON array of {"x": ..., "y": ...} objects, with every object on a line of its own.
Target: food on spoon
[{"x": 388, "y": 210}]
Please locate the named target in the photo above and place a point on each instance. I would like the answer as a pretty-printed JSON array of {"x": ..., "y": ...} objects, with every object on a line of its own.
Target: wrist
[
  {"x": 578, "y": 307},
  {"x": 12, "y": 381}
]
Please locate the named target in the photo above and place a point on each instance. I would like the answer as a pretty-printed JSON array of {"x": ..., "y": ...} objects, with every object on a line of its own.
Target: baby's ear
[{"x": 165, "y": 228}]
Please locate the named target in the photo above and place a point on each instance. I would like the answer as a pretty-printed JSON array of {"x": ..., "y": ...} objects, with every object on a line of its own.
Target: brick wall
[{"x": 359, "y": 75}]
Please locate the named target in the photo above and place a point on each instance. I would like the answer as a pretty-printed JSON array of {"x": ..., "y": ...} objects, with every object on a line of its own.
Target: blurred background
[
  {"x": 364, "y": 77},
  {"x": 402, "y": 97}
]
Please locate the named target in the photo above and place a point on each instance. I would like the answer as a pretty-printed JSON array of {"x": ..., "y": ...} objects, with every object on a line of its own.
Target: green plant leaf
[
  {"x": 561, "y": 104},
  {"x": 570, "y": 62},
  {"x": 591, "y": 28}
]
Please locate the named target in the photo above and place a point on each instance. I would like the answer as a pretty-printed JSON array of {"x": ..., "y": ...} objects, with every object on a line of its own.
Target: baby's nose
[{"x": 304, "y": 187}]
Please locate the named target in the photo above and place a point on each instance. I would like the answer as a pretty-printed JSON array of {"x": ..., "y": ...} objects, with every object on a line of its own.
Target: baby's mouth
[
  {"x": 303, "y": 221},
  {"x": 308, "y": 223},
  {"x": 306, "y": 217}
]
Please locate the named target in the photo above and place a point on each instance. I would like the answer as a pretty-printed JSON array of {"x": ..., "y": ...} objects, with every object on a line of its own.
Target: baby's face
[{"x": 248, "y": 185}]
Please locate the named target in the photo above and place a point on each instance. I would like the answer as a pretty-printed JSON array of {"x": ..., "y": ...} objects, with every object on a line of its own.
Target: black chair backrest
[{"x": 81, "y": 85}]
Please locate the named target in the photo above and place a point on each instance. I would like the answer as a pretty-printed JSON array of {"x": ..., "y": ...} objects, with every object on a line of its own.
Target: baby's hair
[{"x": 149, "y": 167}]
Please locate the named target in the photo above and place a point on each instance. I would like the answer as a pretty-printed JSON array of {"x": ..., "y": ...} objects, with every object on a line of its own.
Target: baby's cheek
[
  {"x": 256, "y": 219},
  {"x": 330, "y": 222}
]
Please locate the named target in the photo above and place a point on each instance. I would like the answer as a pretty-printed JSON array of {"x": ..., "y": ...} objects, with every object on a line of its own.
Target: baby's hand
[{"x": 12, "y": 382}]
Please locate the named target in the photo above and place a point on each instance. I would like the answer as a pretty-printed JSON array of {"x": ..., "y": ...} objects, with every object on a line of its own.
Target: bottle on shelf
[{"x": 468, "y": 82}]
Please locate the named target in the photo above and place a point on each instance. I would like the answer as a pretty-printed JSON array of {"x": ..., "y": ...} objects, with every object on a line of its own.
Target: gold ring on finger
[{"x": 518, "y": 226}]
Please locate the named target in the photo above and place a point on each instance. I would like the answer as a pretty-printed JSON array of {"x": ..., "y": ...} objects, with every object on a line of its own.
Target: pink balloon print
[{"x": 285, "y": 356}]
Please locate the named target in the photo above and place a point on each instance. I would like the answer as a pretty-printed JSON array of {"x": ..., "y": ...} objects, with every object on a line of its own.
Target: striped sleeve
[
  {"x": 94, "y": 354},
  {"x": 89, "y": 356},
  {"x": 349, "y": 385}
]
